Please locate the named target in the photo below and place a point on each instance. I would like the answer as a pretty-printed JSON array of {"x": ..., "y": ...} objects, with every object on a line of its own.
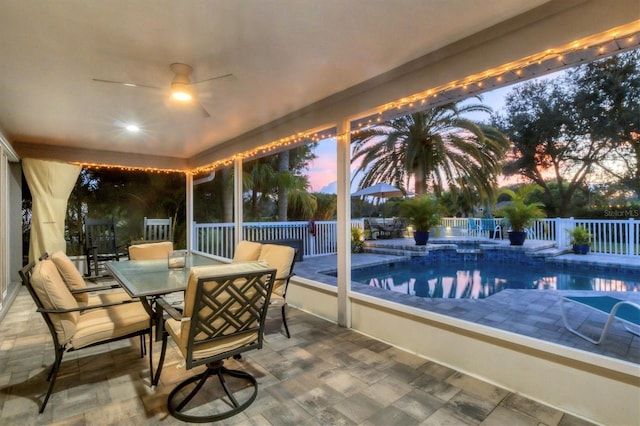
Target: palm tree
[
  {"x": 438, "y": 148},
  {"x": 278, "y": 179}
]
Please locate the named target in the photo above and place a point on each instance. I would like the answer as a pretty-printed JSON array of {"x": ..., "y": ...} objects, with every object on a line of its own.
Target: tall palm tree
[{"x": 438, "y": 148}]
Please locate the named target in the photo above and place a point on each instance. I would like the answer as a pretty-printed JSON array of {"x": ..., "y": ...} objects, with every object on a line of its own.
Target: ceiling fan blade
[
  {"x": 99, "y": 80},
  {"x": 213, "y": 78},
  {"x": 203, "y": 110}
]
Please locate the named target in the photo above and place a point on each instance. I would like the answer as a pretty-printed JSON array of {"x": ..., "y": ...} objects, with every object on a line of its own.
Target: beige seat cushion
[
  {"x": 97, "y": 325},
  {"x": 54, "y": 294},
  {"x": 179, "y": 330},
  {"x": 281, "y": 258},
  {"x": 70, "y": 275},
  {"x": 158, "y": 250},
  {"x": 247, "y": 251}
]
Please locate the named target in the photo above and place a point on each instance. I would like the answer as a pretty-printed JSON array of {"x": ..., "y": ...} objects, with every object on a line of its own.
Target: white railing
[
  {"x": 621, "y": 237},
  {"x": 217, "y": 238},
  {"x": 609, "y": 236}
]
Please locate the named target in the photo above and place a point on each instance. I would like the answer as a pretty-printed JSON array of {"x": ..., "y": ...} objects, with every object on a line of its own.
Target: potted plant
[
  {"x": 423, "y": 212},
  {"x": 357, "y": 240},
  {"x": 521, "y": 214},
  {"x": 580, "y": 239}
]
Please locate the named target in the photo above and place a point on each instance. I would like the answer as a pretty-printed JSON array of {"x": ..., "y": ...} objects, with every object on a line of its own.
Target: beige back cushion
[
  {"x": 54, "y": 294},
  {"x": 180, "y": 330},
  {"x": 247, "y": 251},
  {"x": 280, "y": 258},
  {"x": 146, "y": 251},
  {"x": 70, "y": 274}
]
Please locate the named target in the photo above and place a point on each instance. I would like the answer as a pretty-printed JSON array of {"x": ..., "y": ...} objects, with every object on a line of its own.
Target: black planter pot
[
  {"x": 421, "y": 237},
  {"x": 517, "y": 237},
  {"x": 581, "y": 248}
]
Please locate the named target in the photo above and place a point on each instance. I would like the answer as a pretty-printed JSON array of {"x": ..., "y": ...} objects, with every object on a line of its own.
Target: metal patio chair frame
[
  {"x": 226, "y": 307},
  {"x": 627, "y": 312},
  {"x": 60, "y": 348}
]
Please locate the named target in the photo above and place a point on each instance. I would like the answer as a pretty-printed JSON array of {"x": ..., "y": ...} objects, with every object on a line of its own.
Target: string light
[{"x": 428, "y": 97}]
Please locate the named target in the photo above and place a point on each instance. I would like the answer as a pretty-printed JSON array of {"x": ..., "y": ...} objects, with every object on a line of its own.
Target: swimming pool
[{"x": 477, "y": 280}]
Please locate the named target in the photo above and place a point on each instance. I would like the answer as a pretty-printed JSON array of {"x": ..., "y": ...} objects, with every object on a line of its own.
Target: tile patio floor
[{"x": 323, "y": 375}]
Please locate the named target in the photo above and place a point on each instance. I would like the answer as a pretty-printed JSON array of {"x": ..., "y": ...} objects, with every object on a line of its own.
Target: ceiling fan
[{"x": 181, "y": 86}]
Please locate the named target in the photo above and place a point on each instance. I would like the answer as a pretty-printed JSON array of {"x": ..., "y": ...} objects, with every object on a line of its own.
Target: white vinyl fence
[
  {"x": 609, "y": 236},
  {"x": 318, "y": 240},
  {"x": 621, "y": 237}
]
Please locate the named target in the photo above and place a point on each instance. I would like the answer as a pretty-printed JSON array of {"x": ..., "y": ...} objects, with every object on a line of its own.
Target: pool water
[{"x": 477, "y": 280}]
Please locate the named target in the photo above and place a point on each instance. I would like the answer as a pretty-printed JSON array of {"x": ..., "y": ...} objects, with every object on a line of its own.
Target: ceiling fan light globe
[
  {"x": 181, "y": 96},
  {"x": 181, "y": 92}
]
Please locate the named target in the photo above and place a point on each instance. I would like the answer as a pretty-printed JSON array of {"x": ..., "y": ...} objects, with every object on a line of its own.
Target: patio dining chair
[
  {"x": 224, "y": 316},
  {"x": 153, "y": 250},
  {"x": 281, "y": 257},
  {"x": 73, "y": 326},
  {"x": 89, "y": 295}
]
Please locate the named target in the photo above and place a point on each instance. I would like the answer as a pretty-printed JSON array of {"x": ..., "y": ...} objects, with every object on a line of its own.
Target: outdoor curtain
[{"x": 51, "y": 183}]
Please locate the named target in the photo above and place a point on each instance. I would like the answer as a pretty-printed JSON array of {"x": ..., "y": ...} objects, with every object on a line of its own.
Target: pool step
[
  {"x": 401, "y": 247},
  {"x": 469, "y": 251}
]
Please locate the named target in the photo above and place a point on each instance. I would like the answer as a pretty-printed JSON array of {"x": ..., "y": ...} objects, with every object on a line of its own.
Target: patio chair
[
  {"x": 281, "y": 257},
  {"x": 158, "y": 229},
  {"x": 154, "y": 250},
  {"x": 473, "y": 228},
  {"x": 628, "y": 313},
  {"x": 74, "y": 327},
  {"x": 224, "y": 316},
  {"x": 370, "y": 231},
  {"x": 100, "y": 244},
  {"x": 89, "y": 295},
  {"x": 491, "y": 228}
]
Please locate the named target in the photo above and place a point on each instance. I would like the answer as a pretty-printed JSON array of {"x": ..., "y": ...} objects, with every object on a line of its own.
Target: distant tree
[
  {"x": 278, "y": 180},
  {"x": 438, "y": 148},
  {"x": 607, "y": 99},
  {"x": 327, "y": 206},
  {"x": 576, "y": 128}
]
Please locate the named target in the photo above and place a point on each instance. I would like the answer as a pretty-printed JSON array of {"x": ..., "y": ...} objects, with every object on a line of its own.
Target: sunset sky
[{"x": 322, "y": 171}]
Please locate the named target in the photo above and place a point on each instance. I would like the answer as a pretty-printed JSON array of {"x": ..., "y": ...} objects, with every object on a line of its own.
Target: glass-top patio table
[{"x": 150, "y": 279}]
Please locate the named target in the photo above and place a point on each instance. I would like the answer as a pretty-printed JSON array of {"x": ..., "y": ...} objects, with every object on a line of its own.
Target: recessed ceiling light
[{"x": 132, "y": 128}]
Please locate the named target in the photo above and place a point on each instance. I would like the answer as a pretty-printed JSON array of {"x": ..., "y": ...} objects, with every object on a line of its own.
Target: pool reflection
[{"x": 472, "y": 281}]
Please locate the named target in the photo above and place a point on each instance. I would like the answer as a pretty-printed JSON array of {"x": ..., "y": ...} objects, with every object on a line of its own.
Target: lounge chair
[
  {"x": 625, "y": 311},
  {"x": 490, "y": 228},
  {"x": 473, "y": 228}
]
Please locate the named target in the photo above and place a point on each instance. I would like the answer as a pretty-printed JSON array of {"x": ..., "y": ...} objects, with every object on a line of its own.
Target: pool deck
[{"x": 532, "y": 313}]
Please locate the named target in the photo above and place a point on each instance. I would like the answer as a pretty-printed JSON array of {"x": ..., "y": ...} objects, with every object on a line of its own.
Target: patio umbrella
[{"x": 380, "y": 190}]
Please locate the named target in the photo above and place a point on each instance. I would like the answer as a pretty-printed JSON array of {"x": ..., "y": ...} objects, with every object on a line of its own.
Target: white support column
[
  {"x": 4, "y": 227},
  {"x": 237, "y": 199},
  {"x": 189, "y": 212},
  {"x": 344, "y": 223}
]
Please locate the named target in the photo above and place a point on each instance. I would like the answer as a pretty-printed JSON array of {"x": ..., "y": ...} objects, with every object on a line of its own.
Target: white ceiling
[{"x": 284, "y": 55}]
